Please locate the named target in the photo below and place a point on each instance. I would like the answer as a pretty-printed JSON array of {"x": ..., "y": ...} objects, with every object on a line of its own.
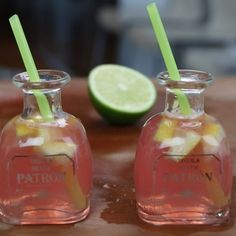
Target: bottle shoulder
[
  {"x": 61, "y": 122},
  {"x": 162, "y": 127},
  {"x": 183, "y": 138},
  {"x": 202, "y": 119},
  {"x": 65, "y": 129}
]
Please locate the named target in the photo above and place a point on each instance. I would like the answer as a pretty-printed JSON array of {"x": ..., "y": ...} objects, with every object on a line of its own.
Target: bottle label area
[
  {"x": 38, "y": 175},
  {"x": 188, "y": 176}
]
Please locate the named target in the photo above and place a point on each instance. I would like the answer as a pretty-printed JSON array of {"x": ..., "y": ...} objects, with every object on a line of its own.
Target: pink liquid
[
  {"x": 194, "y": 190},
  {"x": 40, "y": 185}
]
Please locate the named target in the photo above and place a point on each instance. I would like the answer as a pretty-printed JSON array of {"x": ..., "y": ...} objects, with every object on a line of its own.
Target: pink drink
[
  {"x": 191, "y": 190},
  {"x": 45, "y": 169},
  {"x": 183, "y": 170}
]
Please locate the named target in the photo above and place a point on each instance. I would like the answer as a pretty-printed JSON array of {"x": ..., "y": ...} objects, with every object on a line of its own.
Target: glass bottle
[
  {"x": 45, "y": 166},
  {"x": 183, "y": 165}
]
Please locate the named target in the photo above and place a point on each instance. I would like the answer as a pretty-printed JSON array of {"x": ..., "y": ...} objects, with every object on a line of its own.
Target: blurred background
[{"x": 77, "y": 35}]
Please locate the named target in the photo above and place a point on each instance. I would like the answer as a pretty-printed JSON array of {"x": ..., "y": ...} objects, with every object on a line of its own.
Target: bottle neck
[
  {"x": 195, "y": 98},
  {"x": 31, "y": 108}
]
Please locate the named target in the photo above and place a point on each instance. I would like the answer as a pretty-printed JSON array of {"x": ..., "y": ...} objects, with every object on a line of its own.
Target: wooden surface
[{"x": 113, "y": 210}]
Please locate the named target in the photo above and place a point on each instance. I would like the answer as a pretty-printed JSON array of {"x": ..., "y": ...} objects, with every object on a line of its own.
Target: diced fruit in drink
[
  {"x": 215, "y": 190},
  {"x": 176, "y": 141},
  {"x": 182, "y": 144},
  {"x": 213, "y": 129},
  {"x": 217, "y": 195},
  {"x": 25, "y": 129},
  {"x": 212, "y": 136},
  {"x": 54, "y": 148},
  {"x": 75, "y": 190},
  {"x": 165, "y": 130},
  {"x": 49, "y": 134},
  {"x": 173, "y": 172}
]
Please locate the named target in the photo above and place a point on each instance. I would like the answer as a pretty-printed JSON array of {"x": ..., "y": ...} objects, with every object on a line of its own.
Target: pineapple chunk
[
  {"x": 182, "y": 145},
  {"x": 212, "y": 129},
  {"x": 190, "y": 140},
  {"x": 75, "y": 191},
  {"x": 54, "y": 148},
  {"x": 211, "y": 137},
  {"x": 179, "y": 141},
  {"x": 49, "y": 134},
  {"x": 25, "y": 129},
  {"x": 165, "y": 130}
]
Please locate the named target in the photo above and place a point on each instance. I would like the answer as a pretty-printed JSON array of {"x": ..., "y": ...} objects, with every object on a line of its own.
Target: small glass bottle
[
  {"x": 183, "y": 168},
  {"x": 45, "y": 166}
]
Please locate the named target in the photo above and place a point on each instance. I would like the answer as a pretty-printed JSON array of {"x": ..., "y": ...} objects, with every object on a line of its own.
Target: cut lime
[{"x": 120, "y": 94}]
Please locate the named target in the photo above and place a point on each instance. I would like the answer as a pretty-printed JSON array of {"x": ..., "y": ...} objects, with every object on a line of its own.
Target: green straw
[
  {"x": 167, "y": 55},
  {"x": 30, "y": 66}
]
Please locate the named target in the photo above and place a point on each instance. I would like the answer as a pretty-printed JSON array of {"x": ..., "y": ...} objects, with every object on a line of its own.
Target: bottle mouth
[
  {"x": 189, "y": 79},
  {"x": 49, "y": 79}
]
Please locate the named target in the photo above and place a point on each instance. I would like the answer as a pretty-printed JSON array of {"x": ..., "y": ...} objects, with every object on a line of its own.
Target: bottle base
[
  {"x": 45, "y": 217},
  {"x": 185, "y": 218}
]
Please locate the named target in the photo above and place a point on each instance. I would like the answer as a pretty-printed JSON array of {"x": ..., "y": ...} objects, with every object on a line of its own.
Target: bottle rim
[
  {"x": 49, "y": 79},
  {"x": 188, "y": 79}
]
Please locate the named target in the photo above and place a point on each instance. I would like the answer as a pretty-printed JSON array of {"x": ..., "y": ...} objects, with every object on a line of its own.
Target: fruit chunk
[
  {"x": 55, "y": 148},
  {"x": 26, "y": 129},
  {"x": 214, "y": 189},
  {"x": 181, "y": 145},
  {"x": 185, "y": 145},
  {"x": 212, "y": 135},
  {"x": 75, "y": 190},
  {"x": 54, "y": 151},
  {"x": 165, "y": 130},
  {"x": 179, "y": 141}
]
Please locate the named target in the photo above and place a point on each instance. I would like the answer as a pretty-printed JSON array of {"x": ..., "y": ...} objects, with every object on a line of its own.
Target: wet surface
[{"x": 121, "y": 208}]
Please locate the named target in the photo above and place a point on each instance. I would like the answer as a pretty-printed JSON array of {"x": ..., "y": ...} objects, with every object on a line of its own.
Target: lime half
[{"x": 120, "y": 94}]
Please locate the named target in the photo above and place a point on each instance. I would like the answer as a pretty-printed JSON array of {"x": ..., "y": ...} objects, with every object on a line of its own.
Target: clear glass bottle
[
  {"x": 45, "y": 166},
  {"x": 183, "y": 169}
]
